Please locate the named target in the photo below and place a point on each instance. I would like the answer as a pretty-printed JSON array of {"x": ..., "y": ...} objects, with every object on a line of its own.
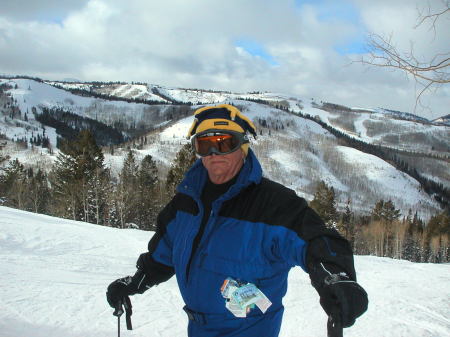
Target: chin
[{"x": 218, "y": 172}]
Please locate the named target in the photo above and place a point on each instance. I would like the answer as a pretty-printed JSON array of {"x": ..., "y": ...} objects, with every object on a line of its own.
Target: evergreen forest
[{"x": 81, "y": 187}]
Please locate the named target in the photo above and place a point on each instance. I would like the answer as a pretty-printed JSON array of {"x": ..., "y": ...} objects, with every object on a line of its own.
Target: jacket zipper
[{"x": 194, "y": 252}]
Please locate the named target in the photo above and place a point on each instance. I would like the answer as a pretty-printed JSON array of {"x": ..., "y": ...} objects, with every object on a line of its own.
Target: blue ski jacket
[{"x": 256, "y": 232}]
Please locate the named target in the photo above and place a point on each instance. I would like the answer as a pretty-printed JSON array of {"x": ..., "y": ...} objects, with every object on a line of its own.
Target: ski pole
[
  {"x": 118, "y": 326},
  {"x": 334, "y": 327},
  {"x": 118, "y": 311}
]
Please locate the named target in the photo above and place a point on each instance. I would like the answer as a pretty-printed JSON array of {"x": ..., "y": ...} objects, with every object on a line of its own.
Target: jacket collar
[{"x": 195, "y": 178}]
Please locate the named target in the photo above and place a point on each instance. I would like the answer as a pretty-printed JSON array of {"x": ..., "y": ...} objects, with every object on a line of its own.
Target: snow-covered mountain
[
  {"x": 443, "y": 120},
  {"x": 54, "y": 273},
  {"x": 293, "y": 145}
]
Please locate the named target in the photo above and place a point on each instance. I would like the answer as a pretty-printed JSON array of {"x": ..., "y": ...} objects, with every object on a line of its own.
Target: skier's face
[{"x": 222, "y": 168}]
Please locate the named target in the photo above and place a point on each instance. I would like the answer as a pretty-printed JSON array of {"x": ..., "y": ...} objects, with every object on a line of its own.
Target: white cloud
[{"x": 191, "y": 44}]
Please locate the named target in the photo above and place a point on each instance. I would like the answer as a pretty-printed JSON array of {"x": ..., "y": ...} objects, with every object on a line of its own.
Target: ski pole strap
[
  {"x": 128, "y": 312},
  {"x": 118, "y": 311}
]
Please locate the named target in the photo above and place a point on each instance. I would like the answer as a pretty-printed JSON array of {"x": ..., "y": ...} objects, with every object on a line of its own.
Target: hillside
[
  {"x": 54, "y": 274},
  {"x": 294, "y": 150}
]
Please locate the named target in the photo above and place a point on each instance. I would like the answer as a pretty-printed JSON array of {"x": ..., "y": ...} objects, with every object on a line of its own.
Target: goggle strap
[{"x": 241, "y": 138}]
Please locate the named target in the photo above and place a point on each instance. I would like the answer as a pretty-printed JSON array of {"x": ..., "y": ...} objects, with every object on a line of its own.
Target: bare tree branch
[
  {"x": 430, "y": 73},
  {"x": 433, "y": 16}
]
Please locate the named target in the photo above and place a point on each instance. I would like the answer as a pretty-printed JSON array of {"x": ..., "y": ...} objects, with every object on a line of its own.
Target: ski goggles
[{"x": 217, "y": 141}]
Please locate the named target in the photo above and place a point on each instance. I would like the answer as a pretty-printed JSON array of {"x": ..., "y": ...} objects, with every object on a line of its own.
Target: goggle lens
[{"x": 218, "y": 143}]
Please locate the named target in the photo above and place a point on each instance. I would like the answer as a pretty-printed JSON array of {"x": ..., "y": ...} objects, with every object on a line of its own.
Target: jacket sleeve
[
  {"x": 327, "y": 251},
  {"x": 324, "y": 251},
  {"x": 157, "y": 262}
]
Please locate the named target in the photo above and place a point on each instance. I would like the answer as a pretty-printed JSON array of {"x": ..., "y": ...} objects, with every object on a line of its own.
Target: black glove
[
  {"x": 126, "y": 286},
  {"x": 118, "y": 290},
  {"x": 344, "y": 298},
  {"x": 139, "y": 282}
]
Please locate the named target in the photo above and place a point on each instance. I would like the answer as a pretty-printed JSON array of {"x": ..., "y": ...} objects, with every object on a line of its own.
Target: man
[{"x": 231, "y": 237}]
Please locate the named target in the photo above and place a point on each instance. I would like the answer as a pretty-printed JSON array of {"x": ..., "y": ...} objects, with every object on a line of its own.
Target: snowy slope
[
  {"x": 303, "y": 153},
  {"x": 443, "y": 120},
  {"x": 54, "y": 273},
  {"x": 30, "y": 93},
  {"x": 295, "y": 151},
  {"x": 382, "y": 177},
  {"x": 133, "y": 91},
  {"x": 198, "y": 96},
  {"x": 375, "y": 126}
]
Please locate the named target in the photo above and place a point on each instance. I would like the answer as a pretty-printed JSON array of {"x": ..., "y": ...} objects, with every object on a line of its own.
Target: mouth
[{"x": 218, "y": 161}]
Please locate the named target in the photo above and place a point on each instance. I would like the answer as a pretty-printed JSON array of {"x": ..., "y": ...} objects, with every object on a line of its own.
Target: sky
[{"x": 303, "y": 48}]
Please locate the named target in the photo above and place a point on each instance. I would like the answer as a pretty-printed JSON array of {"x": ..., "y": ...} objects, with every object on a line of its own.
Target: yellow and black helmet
[{"x": 222, "y": 117}]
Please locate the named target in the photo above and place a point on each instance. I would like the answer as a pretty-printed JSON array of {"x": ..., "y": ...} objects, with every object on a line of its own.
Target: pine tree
[
  {"x": 438, "y": 237},
  {"x": 39, "y": 192},
  {"x": 410, "y": 246},
  {"x": 13, "y": 185},
  {"x": 65, "y": 187},
  {"x": 94, "y": 176},
  {"x": 148, "y": 202},
  {"x": 390, "y": 212},
  {"x": 385, "y": 211},
  {"x": 324, "y": 203},
  {"x": 98, "y": 189},
  {"x": 184, "y": 160},
  {"x": 378, "y": 210},
  {"x": 346, "y": 224},
  {"x": 80, "y": 179},
  {"x": 127, "y": 191}
]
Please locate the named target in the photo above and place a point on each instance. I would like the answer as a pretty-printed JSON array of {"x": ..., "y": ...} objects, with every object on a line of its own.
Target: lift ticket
[{"x": 241, "y": 297}]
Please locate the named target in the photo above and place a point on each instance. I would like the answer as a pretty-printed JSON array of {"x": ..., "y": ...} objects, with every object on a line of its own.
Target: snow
[
  {"x": 177, "y": 131},
  {"x": 38, "y": 156},
  {"x": 384, "y": 178},
  {"x": 194, "y": 96},
  {"x": 293, "y": 155},
  {"x": 54, "y": 273},
  {"x": 288, "y": 159},
  {"x": 30, "y": 93},
  {"x": 136, "y": 91},
  {"x": 387, "y": 124},
  {"x": 360, "y": 128},
  {"x": 199, "y": 96}
]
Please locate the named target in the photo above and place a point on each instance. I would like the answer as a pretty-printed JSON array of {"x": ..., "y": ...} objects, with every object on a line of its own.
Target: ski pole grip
[{"x": 118, "y": 310}]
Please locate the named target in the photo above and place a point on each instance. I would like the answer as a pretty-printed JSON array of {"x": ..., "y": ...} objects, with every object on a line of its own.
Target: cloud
[
  {"x": 296, "y": 47},
  {"x": 42, "y": 10}
]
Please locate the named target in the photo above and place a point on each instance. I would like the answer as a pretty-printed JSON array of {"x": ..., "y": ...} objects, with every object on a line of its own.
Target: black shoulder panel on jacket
[
  {"x": 267, "y": 202},
  {"x": 274, "y": 204}
]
